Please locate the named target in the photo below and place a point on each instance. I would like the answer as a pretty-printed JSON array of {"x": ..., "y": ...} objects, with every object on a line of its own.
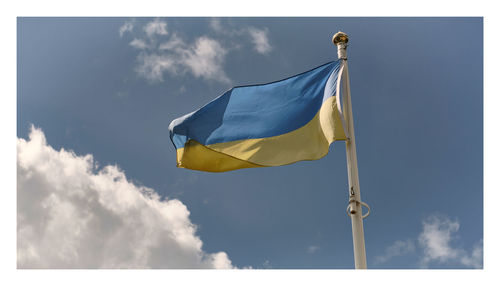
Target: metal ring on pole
[
  {"x": 363, "y": 204},
  {"x": 368, "y": 207}
]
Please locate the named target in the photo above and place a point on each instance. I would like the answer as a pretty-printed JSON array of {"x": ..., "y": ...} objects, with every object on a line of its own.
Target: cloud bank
[{"x": 71, "y": 214}]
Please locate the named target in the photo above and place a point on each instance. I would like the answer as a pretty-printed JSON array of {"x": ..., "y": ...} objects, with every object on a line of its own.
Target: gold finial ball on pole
[
  {"x": 340, "y": 37},
  {"x": 340, "y": 40}
]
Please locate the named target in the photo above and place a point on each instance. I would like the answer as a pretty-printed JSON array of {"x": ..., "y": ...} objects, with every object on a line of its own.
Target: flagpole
[{"x": 354, "y": 208}]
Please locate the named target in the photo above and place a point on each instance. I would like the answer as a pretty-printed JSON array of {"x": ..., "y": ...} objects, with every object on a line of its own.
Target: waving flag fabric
[{"x": 265, "y": 125}]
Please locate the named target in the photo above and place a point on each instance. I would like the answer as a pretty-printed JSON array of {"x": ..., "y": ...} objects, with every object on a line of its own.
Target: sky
[{"x": 97, "y": 182}]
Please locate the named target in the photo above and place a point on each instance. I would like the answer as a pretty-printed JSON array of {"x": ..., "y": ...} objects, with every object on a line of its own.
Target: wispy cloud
[
  {"x": 435, "y": 239},
  {"x": 435, "y": 245},
  {"x": 72, "y": 214},
  {"x": 203, "y": 59},
  {"x": 216, "y": 25},
  {"x": 174, "y": 43},
  {"x": 138, "y": 44},
  {"x": 260, "y": 40},
  {"x": 156, "y": 26},
  {"x": 258, "y": 37},
  {"x": 163, "y": 52},
  {"x": 267, "y": 265},
  {"x": 152, "y": 66},
  {"x": 475, "y": 259},
  {"x": 398, "y": 248},
  {"x": 312, "y": 249},
  {"x": 126, "y": 27}
]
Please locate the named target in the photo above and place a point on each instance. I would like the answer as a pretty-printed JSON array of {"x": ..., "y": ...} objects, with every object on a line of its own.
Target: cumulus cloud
[
  {"x": 435, "y": 239},
  {"x": 203, "y": 59},
  {"x": 260, "y": 40},
  {"x": 72, "y": 214},
  {"x": 435, "y": 245}
]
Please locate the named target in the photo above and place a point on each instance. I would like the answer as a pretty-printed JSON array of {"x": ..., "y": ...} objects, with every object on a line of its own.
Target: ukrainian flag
[{"x": 264, "y": 125}]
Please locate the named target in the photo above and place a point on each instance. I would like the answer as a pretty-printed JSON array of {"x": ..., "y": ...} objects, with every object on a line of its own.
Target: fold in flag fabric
[{"x": 264, "y": 125}]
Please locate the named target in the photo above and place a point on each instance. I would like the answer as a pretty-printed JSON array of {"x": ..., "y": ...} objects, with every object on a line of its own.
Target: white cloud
[
  {"x": 434, "y": 245},
  {"x": 435, "y": 239},
  {"x": 204, "y": 59},
  {"x": 312, "y": 249},
  {"x": 175, "y": 43},
  {"x": 138, "y": 44},
  {"x": 267, "y": 265},
  {"x": 258, "y": 37},
  {"x": 260, "y": 40},
  {"x": 126, "y": 27},
  {"x": 398, "y": 248},
  {"x": 156, "y": 26},
  {"x": 475, "y": 259},
  {"x": 152, "y": 66},
  {"x": 216, "y": 25},
  {"x": 71, "y": 214}
]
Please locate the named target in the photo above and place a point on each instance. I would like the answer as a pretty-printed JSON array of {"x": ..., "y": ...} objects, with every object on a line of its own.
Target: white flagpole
[{"x": 355, "y": 205}]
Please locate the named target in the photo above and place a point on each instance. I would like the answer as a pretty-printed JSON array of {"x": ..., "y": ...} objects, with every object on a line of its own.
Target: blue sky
[{"x": 110, "y": 86}]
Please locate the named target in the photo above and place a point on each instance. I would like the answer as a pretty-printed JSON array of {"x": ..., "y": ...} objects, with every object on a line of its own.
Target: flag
[{"x": 263, "y": 125}]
